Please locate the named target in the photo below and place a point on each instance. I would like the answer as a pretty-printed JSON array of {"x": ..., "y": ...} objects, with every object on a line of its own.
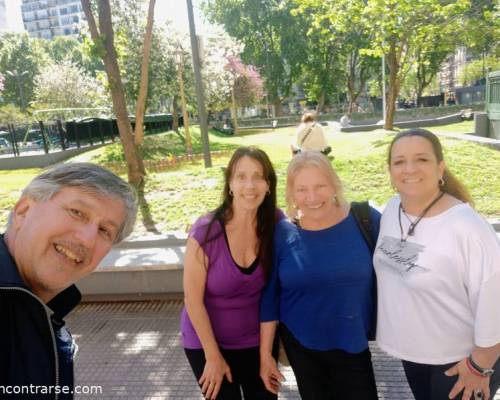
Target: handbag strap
[
  {"x": 361, "y": 212},
  {"x": 307, "y": 134}
]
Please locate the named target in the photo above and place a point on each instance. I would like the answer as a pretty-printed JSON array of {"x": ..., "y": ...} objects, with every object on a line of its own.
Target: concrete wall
[{"x": 42, "y": 160}]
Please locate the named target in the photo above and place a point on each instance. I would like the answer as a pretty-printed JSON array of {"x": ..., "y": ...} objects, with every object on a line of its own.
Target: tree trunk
[
  {"x": 278, "y": 109},
  {"x": 185, "y": 116},
  {"x": 175, "y": 115},
  {"x": 104, "y": 41},
  {"x": 321, "y": 102},
  {"x": 143, "y": 88},
  {"x": 393, "y": 89},
  {"x": 234, "y": 112}
]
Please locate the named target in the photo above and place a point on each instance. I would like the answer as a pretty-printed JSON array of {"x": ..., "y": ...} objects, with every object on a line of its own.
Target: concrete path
[{"x": 131, "y": 350}]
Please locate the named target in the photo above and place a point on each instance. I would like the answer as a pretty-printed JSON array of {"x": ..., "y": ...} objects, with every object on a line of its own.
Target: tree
[
  {"x": 217, "y": 77},
  {"x": 474, "y": 71},
  {"x": 130, "y": 25},
  {"x": 274, "y": 40},
  {"x": 62, "y": 48},
  {"x": 143, "y": 87},
  {"x": 429, "y": 56},
  {"x": 66, "y": 85},
  {"x": 336, "y": 38},
  {"x": 323, "y": 62},
  {"x": 389, "y": 23},
  {"x": 246, "y": 86},
  {"x": 23, "y": 57},
  {"x": 2, "y": 80},
  {"x": 103, "y": 38}
]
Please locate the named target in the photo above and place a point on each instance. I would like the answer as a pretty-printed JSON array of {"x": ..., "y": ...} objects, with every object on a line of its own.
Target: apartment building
[
  {"x": 3, "y": 16},
  {"x": 49, "y": 18}
]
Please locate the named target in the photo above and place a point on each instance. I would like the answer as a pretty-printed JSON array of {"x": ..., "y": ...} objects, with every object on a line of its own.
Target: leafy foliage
[
  {"x": 247, "y": 82},
  {"x": 66, "y": 85},
  {"x": 23, "y": 57}
]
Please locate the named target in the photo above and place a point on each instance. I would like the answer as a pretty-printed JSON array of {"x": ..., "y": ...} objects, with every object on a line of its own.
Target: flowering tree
[
  {"x": 67, "y": 85},
  {"x": 217, "y": 49},
  {"x": 246, "y": 86}
]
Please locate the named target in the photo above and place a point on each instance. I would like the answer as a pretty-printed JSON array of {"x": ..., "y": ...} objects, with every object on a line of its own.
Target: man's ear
[{"x": 21, "y": 210}]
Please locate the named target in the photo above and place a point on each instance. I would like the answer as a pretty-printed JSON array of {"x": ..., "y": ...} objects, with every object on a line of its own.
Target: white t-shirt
[
  {"x": 315, "y": 140},
  {"x": 439, "y": 293}
]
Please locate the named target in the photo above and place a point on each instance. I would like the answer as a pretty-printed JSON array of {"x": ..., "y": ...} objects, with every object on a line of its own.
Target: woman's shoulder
[
  {"x": 200, "y": 228},
  {"x": 285, "y": 227},
  {"x": 463, "y": 216}
]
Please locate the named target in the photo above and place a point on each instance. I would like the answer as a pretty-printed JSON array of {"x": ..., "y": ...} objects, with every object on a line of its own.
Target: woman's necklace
[{"x": 413, "y": 224}]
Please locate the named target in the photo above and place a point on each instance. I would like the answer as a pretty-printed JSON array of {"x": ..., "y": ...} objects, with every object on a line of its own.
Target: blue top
[{"x": 322, "y": 285}]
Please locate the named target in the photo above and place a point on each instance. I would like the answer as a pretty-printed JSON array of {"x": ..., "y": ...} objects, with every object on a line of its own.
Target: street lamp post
[
  {"x": 17, "y": 76},
  {"x": 180, "y": 76}
]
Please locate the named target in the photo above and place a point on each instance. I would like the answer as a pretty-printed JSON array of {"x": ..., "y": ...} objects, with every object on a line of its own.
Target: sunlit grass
[{"x": 179, "y": 195}]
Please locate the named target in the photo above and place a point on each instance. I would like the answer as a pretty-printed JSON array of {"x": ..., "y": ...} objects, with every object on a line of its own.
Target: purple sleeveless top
[{"x": 232, "y": 298}]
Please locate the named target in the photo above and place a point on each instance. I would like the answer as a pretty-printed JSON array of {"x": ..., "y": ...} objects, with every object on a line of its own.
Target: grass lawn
[{"x": 180, "y": 194}]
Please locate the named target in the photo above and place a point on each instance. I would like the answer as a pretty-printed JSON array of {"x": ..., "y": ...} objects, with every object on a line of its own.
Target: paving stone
[{"x": 132, "y": 350}]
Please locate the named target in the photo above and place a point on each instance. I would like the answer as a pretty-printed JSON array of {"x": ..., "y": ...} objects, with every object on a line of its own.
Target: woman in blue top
[{"x": 321, "y": 289}]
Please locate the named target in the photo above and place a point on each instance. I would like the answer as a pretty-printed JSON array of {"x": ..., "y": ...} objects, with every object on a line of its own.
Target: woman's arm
[
  {"x": 269, "y": 371},
  {"x": 194, "y": 281},
  {"x": 480, "y": 250},
  {"x": 470, "y": 380}
]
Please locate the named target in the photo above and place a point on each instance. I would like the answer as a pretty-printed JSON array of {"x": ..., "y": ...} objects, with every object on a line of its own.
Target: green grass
[{"x": 179, "y": 195}]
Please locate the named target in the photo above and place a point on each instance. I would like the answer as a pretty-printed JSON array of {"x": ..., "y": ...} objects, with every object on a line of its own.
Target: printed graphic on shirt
[{"x": 400, "y": 257}]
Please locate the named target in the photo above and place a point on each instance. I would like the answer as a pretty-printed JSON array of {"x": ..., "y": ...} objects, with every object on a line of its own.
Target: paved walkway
[{"x": 132, "y": 350}]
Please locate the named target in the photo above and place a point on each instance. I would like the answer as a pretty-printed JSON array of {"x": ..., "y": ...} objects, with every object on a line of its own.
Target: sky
[{"x": 173, "y": 10}]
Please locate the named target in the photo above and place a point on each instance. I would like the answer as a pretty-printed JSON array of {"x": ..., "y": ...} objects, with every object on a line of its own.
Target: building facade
[
  {"x": 49, "y": 18},
  {"x": 3, "y": 16}
]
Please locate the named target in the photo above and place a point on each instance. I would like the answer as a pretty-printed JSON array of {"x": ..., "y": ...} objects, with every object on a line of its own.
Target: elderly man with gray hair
[{"x": 63, "y": 225}]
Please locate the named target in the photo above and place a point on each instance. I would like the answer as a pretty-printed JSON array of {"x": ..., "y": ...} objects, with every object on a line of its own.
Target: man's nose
[{"x": 87, "y": 234}]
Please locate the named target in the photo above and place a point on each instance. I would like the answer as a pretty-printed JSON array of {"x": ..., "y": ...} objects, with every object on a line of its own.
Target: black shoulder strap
[{"x": 361, "y": 212}]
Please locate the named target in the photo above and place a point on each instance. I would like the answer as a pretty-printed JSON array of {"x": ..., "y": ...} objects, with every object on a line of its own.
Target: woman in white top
[
  {"x": 438, "y": 272},
  {"x": 310, "y": 136}
]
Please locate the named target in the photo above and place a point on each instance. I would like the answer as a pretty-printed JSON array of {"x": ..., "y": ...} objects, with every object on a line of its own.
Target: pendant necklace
[{"x": 413, "y": 224}]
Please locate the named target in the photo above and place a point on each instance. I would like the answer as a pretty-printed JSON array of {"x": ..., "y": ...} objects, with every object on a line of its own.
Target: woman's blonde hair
[{"x": 311, "y": 158}]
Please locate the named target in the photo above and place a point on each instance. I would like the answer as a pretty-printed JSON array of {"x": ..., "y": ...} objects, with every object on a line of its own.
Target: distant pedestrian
[
  {"x": 310, "y": 136},
  {"x": 228, "y": 259}
]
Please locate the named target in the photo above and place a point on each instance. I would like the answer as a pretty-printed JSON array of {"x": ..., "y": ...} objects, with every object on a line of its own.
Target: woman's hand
[
  {"x": 469, "y": 382},
  {"x": 270, "y": 374},
  {"x": 213, "y": 375}
]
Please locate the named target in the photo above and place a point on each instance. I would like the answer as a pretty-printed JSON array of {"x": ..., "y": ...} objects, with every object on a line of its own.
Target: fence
[{"x": 45, "y": 137}]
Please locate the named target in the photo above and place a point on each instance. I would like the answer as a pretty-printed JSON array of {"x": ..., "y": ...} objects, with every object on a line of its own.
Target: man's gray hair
[{"x": 89, "y": 177}]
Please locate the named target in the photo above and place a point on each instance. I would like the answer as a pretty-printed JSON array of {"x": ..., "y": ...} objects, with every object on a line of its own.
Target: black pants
[
  {"x": 244, "y": 364},
  {"x": 428, "y": 382},
  {"x": 332, "y": 374}
]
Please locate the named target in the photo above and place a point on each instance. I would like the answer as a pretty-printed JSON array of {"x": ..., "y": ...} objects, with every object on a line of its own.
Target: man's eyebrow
[{"x": 87, "y": 206}]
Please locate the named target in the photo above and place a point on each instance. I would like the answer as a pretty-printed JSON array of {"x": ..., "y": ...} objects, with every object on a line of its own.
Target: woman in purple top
[{"x": 228, "y": 258}]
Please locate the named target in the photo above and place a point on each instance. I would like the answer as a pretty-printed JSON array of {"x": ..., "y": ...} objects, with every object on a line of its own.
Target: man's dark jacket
[{"x": 28, "y": 329}]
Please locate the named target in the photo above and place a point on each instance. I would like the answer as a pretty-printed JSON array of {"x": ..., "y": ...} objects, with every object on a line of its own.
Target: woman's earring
[
  {"x": 268, "y": 192},
  {"x": 441, "y": 182},
  {"x": 231, "y": 192},
  {"x": 335, "y": 199}
]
